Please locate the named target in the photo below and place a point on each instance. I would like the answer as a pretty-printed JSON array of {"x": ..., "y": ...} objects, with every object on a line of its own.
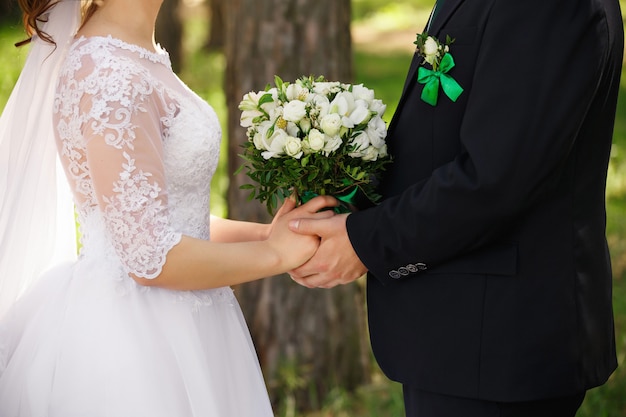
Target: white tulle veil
[{"x": 36, "y": 212}]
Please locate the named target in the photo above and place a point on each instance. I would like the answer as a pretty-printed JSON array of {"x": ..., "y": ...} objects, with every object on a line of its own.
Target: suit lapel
[{"x": 447, "y": 9}]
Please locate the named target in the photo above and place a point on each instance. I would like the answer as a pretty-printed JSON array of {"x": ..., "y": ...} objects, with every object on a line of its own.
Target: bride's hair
[{"x": 33, "y": 11}]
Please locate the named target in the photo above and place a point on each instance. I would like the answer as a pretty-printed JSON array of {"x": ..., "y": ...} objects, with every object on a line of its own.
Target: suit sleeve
[{"x": 537, "y": 70}]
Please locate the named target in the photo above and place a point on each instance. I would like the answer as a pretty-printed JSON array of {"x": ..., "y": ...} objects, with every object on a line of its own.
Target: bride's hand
[
  {"x": 294, "y": 249},
  {"x": 289, "y": 204}
]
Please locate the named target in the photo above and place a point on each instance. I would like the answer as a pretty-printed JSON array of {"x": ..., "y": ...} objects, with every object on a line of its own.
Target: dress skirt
[{"x": 83, "y": 344}]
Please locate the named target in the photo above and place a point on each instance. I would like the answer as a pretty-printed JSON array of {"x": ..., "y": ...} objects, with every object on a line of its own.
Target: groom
[{"x": 489, "y": 281}]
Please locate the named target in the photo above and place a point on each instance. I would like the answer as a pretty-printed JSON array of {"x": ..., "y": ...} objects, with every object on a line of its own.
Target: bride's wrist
[
  {"x": 264, "y": 231},
  {"x": 272, "y": 257}
]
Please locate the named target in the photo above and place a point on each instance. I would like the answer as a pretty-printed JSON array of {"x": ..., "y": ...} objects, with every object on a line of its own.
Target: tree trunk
[
  {"x": 308, "y": 341},
  {"x": 217, "y": 27},
  {"x": 9, "y": 11},
  {"x": 169, "y": 32}
]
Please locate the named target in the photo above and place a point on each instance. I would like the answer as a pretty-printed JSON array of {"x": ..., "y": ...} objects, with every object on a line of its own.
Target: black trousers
[{"x": 420, "y": 403}]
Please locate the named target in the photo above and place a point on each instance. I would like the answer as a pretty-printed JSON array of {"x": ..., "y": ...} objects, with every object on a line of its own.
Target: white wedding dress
[{"x": 87, "y": 340}]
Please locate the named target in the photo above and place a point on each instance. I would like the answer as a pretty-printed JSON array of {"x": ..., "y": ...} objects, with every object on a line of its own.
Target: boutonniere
[{"x": 438, "y": 56}]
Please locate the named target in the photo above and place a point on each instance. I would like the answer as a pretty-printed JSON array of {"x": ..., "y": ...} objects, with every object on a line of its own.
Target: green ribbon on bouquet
[
  {"x": 432, "y": 79},
  {"x": 346, "y": 200}
]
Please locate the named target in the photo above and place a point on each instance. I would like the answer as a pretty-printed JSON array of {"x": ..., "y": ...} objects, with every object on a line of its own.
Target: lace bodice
[{"x": 139, "y": 150}]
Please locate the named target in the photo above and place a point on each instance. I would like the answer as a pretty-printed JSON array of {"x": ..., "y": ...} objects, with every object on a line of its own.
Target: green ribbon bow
[
  {"x": 433, "y": 78},
  {"x": 345, "y": 200}
]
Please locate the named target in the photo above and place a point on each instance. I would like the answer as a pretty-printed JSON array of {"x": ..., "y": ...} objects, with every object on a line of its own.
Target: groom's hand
[{"x": 335, "y": 261}]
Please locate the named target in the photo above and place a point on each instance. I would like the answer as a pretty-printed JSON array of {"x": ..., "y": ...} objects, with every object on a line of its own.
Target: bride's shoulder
[
  {"x": 111, "y": 48},
  {"x": 99, "y": 49},
  {"x": 88, "y": 54},
  {"x": 97, "y": 56}
]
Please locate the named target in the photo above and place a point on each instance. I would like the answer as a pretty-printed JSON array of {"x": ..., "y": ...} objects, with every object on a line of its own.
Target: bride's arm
[
  {"x": 226, "y": 230},
  {"x": 198, "y": 264}
]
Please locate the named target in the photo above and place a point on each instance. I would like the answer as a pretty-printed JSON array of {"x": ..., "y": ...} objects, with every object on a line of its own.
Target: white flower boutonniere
[{"x": 438, "y": 56}]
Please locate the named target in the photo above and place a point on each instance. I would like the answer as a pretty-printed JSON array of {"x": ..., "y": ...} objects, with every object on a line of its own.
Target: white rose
[
  {"x": 361, "y": 92},
  {"x": 330, "y": 124},
  {"x": 370, "y": 154},
  {"x": 360, "y": 143},
  {"x": 293, "y": 147},
  {"x": 378, "y": 107},
  {"x": 431, "y": 50},
  {"x": 315, "y": 141},
  {"x": 382, "y": 151},
  {"x": 430, "y": 46},
  {"x": 331, "y": 144},
  {"x": 294, "y": 110},
  {"x": 377, "y": 131}
]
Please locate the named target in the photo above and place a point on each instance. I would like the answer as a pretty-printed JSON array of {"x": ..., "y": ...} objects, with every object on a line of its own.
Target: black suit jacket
[{"x": 489, "y": 273}]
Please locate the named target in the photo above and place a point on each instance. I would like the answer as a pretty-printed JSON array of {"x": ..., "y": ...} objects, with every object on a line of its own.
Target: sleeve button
[{"x": 394, "y": 274}]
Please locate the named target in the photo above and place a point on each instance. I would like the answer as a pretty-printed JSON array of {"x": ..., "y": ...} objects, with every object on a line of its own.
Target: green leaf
[
  {"x": 265, "y": 98},
  {"x": 279, "y": 82},
  {"x": 238, "y": 170}
]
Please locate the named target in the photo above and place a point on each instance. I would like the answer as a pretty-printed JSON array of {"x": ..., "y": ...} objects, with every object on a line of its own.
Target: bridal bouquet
[{"x": 313, "y": 137}]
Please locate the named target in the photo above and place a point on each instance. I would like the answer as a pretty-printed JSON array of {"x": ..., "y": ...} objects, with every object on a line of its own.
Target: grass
[{"x": 384, "y": 69}]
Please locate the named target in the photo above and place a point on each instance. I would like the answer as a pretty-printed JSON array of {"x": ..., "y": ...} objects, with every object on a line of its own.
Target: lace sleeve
[{"x": 121, "y": 108}]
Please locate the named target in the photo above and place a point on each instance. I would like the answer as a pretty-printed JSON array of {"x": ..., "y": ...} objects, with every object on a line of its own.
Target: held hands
[
  {"x": 335, "y": 261},
  {"x": 295, "y": 249}
]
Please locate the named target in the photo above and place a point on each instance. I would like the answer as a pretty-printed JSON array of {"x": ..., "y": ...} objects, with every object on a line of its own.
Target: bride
[{"x": 143, "y": 323}]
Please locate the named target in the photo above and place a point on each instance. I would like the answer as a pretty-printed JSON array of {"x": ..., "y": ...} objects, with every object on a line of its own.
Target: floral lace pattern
[
  {"x": 136, "y": 194},
  {"x": 139, "y": 149}
]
